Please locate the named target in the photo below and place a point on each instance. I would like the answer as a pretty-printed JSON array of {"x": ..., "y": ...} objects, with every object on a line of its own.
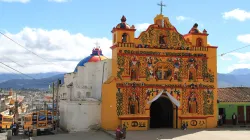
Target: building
[
  {"x": 80, "y": 95},
  {"x": 160, "y": 79},
  {"x": 234, "y": 100}
]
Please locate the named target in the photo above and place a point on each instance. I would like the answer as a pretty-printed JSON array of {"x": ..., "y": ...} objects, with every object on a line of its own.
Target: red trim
[
  {"x": 202, "y": 34},
  {"x": 134, "y": 117},
  {"x": 123, "y": 54},
  {"x": 115, "y": 29},
  {"x": 195, "y": 117},
  {"x": 163, "y": 87},
  {"x": 212, "y": 46}
]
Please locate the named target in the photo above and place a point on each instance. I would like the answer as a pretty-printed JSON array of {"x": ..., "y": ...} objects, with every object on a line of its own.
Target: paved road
[{"x": 99, "y": 135}]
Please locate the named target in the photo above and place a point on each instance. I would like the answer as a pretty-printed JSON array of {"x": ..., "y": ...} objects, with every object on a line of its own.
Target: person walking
[
  {"x": 118, "y": 133},
  {"x": 234, "y": 119},
  {"x": 14, "y": 127},
  {"x": 124, "y": 131}
]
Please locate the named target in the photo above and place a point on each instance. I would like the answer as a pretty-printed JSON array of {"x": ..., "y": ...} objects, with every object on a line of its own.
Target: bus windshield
[
  {"x": 42, "y": 118},
  {"x": 7, "y": 119}
]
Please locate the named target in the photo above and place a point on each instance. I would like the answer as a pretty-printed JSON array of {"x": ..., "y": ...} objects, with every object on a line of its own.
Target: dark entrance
[{"x": 161, "y": 113}]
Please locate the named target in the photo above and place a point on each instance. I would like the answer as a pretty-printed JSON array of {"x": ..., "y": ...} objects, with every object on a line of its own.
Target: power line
[
  {"x": 27, "y": 49},
  {"x": 16, "y": 70},
  {"x": 230, "y": 51},
  {"x": 14, "y": 62}
]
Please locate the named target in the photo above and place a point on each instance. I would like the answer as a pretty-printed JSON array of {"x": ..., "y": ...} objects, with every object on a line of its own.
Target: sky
[{"x": 62, "y": 32}]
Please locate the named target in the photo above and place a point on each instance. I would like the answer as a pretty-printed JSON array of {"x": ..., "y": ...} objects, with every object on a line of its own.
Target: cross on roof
[
  {"x": 97, "y": 44},
  {"x": 162, "y": 5}
]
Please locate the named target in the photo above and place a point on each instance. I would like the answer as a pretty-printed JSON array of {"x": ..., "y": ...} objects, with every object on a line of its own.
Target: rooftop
[{"x": 234, "y": 94}]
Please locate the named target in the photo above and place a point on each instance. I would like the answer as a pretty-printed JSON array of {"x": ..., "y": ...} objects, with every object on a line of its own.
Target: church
[
  {"x": 80, "y": 94},
  {"x": 160, "y": 79}
]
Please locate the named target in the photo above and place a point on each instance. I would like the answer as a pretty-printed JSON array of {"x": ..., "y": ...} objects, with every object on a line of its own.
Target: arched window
[
  {"x": 198, "y": 42},
  {"x": 124, "y": 38},
  {"x": 114, "y": 38}
]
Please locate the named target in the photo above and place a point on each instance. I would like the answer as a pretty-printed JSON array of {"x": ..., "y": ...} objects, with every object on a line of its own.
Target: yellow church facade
[{"x": 160, "y": 79}]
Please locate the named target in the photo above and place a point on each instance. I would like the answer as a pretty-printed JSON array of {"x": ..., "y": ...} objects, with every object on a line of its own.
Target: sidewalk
[{"x": 235, "y": 126}]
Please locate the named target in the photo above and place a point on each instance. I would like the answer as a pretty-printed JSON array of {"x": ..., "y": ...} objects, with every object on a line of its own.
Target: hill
[{"x": 42, "y": 84}]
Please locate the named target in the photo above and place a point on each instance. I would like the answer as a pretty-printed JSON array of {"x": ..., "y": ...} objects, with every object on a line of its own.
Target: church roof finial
[
  {"x": 123, "y": 19},
  {"x": 162, "y": 5}
]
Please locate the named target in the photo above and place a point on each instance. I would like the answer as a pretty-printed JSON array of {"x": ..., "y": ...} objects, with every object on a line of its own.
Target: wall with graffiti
[{"x": 161, "y": 59}]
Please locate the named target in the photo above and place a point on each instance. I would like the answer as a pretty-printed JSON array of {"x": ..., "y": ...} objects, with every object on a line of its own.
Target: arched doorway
[{"x": 161, "y": 113}]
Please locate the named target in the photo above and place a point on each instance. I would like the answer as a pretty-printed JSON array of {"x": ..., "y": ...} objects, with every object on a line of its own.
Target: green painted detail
[{"x": 119, "y": 99}]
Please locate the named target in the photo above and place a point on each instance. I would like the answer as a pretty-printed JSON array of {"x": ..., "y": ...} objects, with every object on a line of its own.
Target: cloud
[
  {"x": 21, "y": 1},
  {"x": 182, "y": 18},
  {"x": 244, "y": 38},
  {"x": 141, "y": 27},
  {"x": 225, "y": 58},
  {"x": 238, "y": 66},
  {"x": 237, "y": 14},
  {"x": 59, "y": 1},
  {"x": 243, "y": 57},
  {"x": 60, "y": 47}
]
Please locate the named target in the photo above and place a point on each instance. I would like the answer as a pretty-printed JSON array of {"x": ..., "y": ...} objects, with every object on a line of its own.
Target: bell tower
[
  {"x": 196, "y": 37},
  {"x": 123, "y": 33}
]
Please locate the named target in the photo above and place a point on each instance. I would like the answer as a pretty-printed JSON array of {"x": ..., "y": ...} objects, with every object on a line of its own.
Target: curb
[{"x": 108, "y": 133}]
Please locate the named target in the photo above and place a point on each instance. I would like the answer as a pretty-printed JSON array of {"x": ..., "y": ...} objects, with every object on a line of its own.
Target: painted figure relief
[
  {"x": 133, "y": 104},
  {"x": 134, "y": 68},
  {"x": 192, "y": 103}
]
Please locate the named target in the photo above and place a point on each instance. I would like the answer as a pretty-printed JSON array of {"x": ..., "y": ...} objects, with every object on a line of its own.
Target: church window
[
  {"x": 198, "y": 42},
  {"x": 114, "y": 38},
  {"x": 88, "y": 94},
  {"x": 124, "y": 38}
]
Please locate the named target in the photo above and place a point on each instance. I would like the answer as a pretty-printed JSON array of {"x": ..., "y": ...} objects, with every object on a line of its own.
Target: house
[{"x": 234, "y": 100}]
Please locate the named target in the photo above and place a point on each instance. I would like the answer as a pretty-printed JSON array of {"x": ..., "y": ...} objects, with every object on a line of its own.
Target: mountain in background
[
  {"x": 9, "y": 76},
  {"x": 240, "y": 71},
  {"x": 236, "y": 78},
  {"x": 42, "y": 83}
]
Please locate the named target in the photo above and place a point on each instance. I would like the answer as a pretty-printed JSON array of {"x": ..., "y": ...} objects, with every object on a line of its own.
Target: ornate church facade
[{"x": 160, "y": 79}]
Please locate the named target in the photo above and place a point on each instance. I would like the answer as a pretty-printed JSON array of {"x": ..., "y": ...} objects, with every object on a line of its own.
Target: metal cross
[
  {"x": 97, "y": 44},
  {"x": 162, "y": 5}
]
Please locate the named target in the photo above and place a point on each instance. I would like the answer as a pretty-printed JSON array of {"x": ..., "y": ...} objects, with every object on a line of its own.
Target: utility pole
[
  {"x": 53, "y": 102},
  {"x": 57, "y": 105},
  {"x": 16, "y": 109}
]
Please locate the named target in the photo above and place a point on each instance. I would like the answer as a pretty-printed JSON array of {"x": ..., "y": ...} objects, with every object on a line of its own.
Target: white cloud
[
  {"x": 238, "y": 66},
  {"x": 244, "y": 38},
  {"x": 22, "y": 1},
  {"x": 141, "y": 27},
  {"x": 237, "y": 14},
  {"x": 59, "y": 1},
  {"x": 182, "y": 18},
  {"x": 225, "y": 58},
  {"x": 58, "y": 46},
  {"x": 243, "y": 57}
]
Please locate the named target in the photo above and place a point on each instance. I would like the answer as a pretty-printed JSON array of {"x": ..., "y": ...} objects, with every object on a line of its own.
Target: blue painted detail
[{"x": 82, "y": 62}]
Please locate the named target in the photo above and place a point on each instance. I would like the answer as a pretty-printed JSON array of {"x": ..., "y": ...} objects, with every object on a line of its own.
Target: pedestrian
[
  {"x": 118, "y": 133},
  {"x": 219, "y": 120},
  {"x": 14, "y": 127},
  {"x": 124, "y": 131},
  {"x": 234, "y": 119},
  {"x": 224, "y": 118}
]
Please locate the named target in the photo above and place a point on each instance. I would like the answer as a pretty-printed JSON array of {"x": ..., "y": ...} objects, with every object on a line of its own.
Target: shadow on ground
[{"x": 154, "y": 134}]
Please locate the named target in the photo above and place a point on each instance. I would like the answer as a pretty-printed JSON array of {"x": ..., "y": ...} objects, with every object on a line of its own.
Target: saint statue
[
  {"x": 192, "y": 104},
  {"x": 133, "y": 104},
  {"x": 134, "y": 68}
]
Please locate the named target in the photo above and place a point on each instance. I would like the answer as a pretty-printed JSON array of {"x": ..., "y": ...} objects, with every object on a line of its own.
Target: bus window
[
  {"x": 42, "y": 118},
  {"x": 27, "y": 119},
  {"x": 8, "y": 119}
]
